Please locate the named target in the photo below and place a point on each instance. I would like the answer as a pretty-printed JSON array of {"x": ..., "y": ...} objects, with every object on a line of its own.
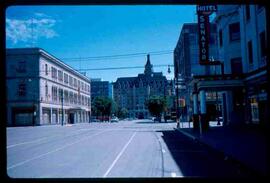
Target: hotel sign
[
  {"x": 204, "y": 31},
  {"x": 206, "y": 9}
]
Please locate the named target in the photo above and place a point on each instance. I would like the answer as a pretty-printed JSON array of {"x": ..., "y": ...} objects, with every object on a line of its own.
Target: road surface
[{"x": 138, "y": 148}]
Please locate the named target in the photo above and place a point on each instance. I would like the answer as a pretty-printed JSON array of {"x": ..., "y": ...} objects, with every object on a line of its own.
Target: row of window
[
  {"x": 69, "y": 97},
  {"x": 68, "y": 79},
  {"x": 234, "y": 30}
]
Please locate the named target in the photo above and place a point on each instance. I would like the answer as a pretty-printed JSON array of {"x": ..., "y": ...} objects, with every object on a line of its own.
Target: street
[{"x": 138, "y": 148}]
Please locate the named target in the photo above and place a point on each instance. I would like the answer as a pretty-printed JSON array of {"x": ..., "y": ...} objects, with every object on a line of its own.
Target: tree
[
  {"x": 122, "y": 113},
  {"x": 103, "y": 106},
  {"x": 156, "y": 105}
]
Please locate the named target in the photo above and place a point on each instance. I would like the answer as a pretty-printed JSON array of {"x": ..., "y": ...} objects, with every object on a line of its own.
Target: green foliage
[
  {"x": 122, "y": 113},
  {"x": 156, "y": 105},
  {"x": 103, "y": 106}
]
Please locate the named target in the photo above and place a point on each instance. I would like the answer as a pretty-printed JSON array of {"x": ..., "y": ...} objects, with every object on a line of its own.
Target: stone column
[
  {"x": 51, "y": 116},
  {"x": 203, "y": 116},
  {"x": 57, "y": 117},
  {"x": 195, "y": 112}
]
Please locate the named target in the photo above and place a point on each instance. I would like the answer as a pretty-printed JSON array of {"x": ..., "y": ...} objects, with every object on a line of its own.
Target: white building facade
[
  {"x": 43, "y": 90},
  {"x": 242, "y": 48}
]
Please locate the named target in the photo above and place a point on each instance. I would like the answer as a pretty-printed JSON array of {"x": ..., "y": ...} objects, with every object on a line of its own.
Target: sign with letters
[{"x": 204, "y": 31}]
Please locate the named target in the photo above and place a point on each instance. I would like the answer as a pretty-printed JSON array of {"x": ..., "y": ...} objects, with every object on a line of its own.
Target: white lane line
[
  {"x": 173, "y": 174},
  {"x": 58, "y": 149},
  {"x": 41, "y": 139},
  {"x": 29, "y": 142},
  {"x": 118, "y": 156}
]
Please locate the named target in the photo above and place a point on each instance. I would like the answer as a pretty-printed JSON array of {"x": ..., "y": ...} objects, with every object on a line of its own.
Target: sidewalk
[{"x": 245, "y": 145}]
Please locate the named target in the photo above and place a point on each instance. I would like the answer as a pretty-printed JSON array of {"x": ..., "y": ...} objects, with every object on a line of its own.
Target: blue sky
[{"x": 92, "y": 31}]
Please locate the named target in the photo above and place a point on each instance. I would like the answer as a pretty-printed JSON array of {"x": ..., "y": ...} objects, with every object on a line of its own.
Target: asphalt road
[{"x": 138, "y": 148}]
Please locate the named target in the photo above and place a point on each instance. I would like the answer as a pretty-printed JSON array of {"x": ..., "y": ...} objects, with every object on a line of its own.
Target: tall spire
[{"x": 148, "y": 66}]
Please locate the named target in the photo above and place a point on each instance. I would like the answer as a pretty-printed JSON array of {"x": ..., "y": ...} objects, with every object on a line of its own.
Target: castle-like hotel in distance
[{"x": 132, "y": 92}]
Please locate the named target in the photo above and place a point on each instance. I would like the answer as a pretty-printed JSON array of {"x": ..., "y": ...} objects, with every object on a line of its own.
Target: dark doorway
[
  {"x": 262, "y": 111},
  {"x": 211, "y": 111},
  {"x": 71, "y": 118}
]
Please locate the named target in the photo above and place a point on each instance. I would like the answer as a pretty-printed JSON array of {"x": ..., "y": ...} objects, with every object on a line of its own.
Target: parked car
[
  {"x": 95, "y": 120},
  {"x": 114, "y": 119},
  {"x": 158, "y": 119}
]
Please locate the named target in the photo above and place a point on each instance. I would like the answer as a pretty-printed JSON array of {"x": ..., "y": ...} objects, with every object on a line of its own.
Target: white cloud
[{"x": 30, "y": 30}]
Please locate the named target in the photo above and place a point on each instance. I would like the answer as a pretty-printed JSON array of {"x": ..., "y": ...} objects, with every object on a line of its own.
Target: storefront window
[{"x": 254, "y": 110}]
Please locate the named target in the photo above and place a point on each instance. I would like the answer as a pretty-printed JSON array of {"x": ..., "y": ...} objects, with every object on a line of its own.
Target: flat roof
[{"x": 36, "y": 50}]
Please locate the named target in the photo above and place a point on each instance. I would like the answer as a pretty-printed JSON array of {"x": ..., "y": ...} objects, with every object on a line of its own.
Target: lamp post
[
  {"x": 177, "y": 102},
  {"x": 62, "y": 102},
  {"x": 34, "y": 104}
]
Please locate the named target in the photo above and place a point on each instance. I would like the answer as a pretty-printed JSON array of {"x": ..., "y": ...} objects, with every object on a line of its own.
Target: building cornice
[{"x": 62, "y": 64}]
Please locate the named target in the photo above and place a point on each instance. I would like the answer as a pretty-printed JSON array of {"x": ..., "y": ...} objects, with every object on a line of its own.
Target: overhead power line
[
  {"x": 120, "y": 56},
  {"x": 117, "y": 68}
]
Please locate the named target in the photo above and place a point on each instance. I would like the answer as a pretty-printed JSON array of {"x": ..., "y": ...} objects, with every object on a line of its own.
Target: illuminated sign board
[{"x": 204, "y": 31}]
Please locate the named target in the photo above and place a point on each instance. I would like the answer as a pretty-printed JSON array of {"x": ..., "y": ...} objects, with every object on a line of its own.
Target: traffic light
[{"x": 182, "y": 102}]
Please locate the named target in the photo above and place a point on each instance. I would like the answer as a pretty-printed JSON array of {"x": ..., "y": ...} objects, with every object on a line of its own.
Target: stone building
[
  {"x": 132, "y": 92},
  {"x": 41, "y": 88}
]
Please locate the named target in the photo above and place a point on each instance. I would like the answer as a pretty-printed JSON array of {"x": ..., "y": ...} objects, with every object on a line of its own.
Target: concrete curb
[{"x": 221, "y": 153}]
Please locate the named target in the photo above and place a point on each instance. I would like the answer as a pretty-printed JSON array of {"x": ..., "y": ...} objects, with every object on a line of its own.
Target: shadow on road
[{"x": 195, "y": 160}]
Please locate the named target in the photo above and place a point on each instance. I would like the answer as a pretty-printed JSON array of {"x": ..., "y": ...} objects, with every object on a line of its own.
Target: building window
[
  {"x": 60, "y": 75},
  {"x": 22, "y": 89},
  {"x": 75, "y": 98},
  {"x": 247, "y": 12},
  {"x": 234, "y": 30},
  {"x": 71, "y": 97},
  {"x": 54, "y": 93},
  {"x": 65, "y": 78},
  {"x": 82, "y": 99},
  {"x": 60, "y": 93},
  {"x": 54, "y": 72},
  {"x": 46, "y": 69},
  {"x": 79, "y": 99},
  {"x": 46, "y": 89},
  {"x": 263, "y": 44},
  {"x": 70, "y": 81},
  {"x": 250, "y": 53},
  {"x": 75, "y": 82},
  {"x": 21, "y": 67},
  {"x": 236, "y": 65},
  {"x": 66, "y": 99},
  {"x": 220, "y": 38}
]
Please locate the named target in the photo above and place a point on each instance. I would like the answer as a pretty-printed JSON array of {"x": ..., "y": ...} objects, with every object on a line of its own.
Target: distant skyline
[{"x": 93, "y": 31}]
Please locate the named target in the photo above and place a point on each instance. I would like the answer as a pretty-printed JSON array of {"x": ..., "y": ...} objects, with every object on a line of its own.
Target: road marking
[
  {"x": 163, "y": 151},
  {"x": 29, "y": 142},
  {"x": 58, "y": 149},
  {"x": 118, "y": 156},
  {"x": 44, "y": 138}
]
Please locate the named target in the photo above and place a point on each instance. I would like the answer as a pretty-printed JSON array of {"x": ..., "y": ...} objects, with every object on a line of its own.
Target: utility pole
[
  {"x": 177, "y": 102},
  {"x": 62, "y": 100}
]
